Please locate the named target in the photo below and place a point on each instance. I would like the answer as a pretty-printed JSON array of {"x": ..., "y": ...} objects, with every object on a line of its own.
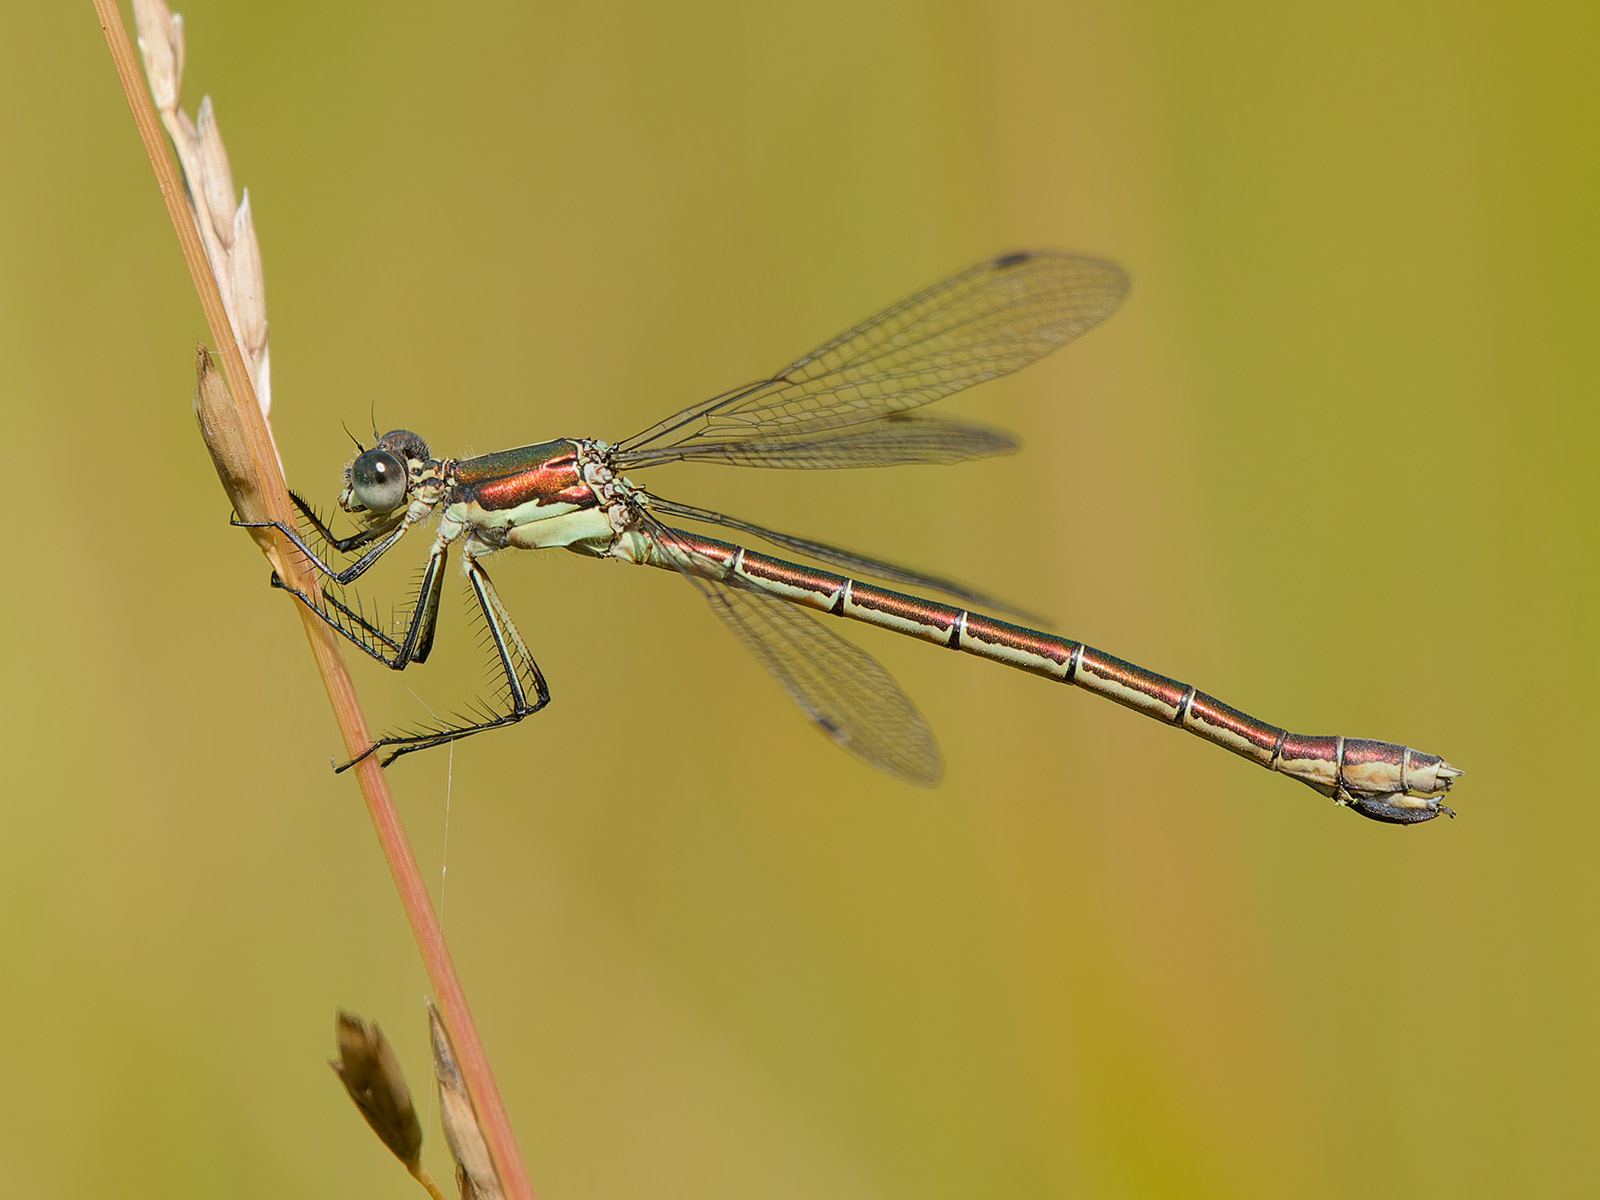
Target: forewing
[
  {"x": 987, "y": 321},
  {"x": 896, "y": 440}
]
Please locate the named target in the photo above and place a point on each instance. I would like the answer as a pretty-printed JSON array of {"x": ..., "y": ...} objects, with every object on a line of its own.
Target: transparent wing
[
  {"x": 840, "y": 687},
  {"x": 845, "y": 560},
  {"x": 896, "y": 440},
  {"x": 989, "y": 320}
]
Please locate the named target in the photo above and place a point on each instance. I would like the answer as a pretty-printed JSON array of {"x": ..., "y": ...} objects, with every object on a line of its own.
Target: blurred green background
[{"x": 1333, "y": 462}]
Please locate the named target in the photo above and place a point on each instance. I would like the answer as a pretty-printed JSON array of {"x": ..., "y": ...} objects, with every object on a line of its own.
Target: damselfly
[{"x": 848, "y": 403}]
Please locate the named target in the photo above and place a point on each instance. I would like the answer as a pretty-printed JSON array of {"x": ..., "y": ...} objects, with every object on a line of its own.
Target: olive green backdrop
[{"x": 1333, "y": 462}]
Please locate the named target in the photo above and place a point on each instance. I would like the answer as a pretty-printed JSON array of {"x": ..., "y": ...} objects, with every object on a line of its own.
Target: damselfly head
[{"x": 377, "y": 480}]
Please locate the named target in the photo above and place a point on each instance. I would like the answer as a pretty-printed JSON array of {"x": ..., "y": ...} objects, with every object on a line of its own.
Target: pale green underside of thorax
[{"x": 536, "y": 526}]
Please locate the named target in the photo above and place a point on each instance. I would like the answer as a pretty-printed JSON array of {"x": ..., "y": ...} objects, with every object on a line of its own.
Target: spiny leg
[
  {"x": 522, "y": 676},
  {"x": 380, "y": 537},
  {"x": 352, "y": 622},
  {"x": 371, "y": 638},
  {"x": 346, "y": 544}
]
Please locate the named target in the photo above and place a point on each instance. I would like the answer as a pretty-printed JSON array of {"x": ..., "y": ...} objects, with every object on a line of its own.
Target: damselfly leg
[
  {"x": 378, "y": 538},
  {"x": 524, "y": 690}
]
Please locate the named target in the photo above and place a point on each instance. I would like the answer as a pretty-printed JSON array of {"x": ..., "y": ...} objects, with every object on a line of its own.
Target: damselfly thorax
[{"x": 852, "y": 402}]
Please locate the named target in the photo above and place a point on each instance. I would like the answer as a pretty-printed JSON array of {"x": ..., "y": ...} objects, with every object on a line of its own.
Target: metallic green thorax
[
  {"x": 532, "y": 497},
  {"x": 560, "y": 493}
]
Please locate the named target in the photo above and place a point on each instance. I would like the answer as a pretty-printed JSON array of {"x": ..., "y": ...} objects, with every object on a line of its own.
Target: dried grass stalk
[{"x": 231, "y": 296}]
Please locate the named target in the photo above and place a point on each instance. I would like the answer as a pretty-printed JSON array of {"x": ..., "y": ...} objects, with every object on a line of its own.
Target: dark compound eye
[{"x": 378, "y": 480}]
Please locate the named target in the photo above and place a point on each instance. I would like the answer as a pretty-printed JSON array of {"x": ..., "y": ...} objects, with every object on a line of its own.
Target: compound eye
[{"x": 378, "y": 480}]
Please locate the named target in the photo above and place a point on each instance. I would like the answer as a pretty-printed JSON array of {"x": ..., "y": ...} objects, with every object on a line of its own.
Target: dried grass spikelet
[
  {"x": 229, "y": 445},
  {"x": 475, "y": 1174},
  {"x": 225, "y": 226},
  {"x": 371, "y": 1075}
]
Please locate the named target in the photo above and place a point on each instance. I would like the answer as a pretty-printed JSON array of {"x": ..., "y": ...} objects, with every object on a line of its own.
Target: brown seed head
[{"x": 370, "y": 1073}]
